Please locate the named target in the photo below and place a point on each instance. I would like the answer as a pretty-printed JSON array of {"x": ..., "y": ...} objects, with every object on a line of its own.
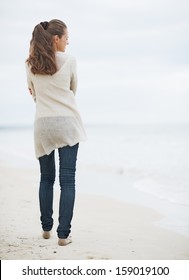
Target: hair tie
[{"x": 44, "y": 24}]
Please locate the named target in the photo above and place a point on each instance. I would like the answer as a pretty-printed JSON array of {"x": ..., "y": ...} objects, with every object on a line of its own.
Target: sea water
[{"x": 141, "y": 164}]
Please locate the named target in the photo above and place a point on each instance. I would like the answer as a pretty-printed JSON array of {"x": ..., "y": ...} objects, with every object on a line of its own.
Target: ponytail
[{"x": 42, "y": 53}]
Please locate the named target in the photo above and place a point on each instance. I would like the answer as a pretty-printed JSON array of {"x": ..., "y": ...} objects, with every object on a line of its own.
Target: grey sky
[{"x": 133, "y": 60}]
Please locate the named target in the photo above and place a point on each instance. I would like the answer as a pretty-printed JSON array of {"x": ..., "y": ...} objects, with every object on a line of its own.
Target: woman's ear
[
  {"x": 56, "y": 38},
  {"x": 55, "y": 42}
]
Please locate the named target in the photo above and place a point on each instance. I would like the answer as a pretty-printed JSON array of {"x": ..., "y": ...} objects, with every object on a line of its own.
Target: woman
[{"x": 52, "y": 81}]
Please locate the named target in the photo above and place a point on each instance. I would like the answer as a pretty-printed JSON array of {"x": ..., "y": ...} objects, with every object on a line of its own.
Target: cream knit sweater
[{"x": 57, "y": 120}]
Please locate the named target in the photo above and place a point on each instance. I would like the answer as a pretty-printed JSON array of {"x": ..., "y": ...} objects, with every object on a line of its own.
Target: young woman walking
[{"x": 52, "y": 81}]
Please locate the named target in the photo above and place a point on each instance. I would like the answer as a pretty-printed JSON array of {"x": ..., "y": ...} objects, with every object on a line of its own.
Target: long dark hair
[{"x": 42, "y": 54}]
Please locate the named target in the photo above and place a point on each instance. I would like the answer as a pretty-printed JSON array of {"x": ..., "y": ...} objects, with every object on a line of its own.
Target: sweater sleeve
[
  {"x": 30, "y": 84},
  {"x": 73, "y": 82}
]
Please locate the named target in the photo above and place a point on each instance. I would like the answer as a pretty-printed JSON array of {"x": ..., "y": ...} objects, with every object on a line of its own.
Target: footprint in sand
[{"x": 97, "y": 258}]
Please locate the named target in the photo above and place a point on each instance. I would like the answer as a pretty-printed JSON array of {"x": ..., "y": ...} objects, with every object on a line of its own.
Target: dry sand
[{"x": 102, "y": 228}]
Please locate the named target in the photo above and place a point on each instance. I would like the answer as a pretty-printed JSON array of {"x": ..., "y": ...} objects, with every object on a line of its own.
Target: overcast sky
[{"x": 132, "y": 55}]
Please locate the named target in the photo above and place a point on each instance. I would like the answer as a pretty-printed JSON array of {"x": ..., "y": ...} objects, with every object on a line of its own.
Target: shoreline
[
  {"x": 139, "y": 172},
  {"x": 102, "y": 228},
  {"x": 174, "y": 216}
]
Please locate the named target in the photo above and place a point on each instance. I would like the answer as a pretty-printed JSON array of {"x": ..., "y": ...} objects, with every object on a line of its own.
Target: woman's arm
[
  {"x": 30, "y": 84},
  {"x": 73, "y": 82}
]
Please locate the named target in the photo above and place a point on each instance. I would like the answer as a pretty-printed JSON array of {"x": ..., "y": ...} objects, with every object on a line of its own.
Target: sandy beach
[{"x": 102, "y": 228}]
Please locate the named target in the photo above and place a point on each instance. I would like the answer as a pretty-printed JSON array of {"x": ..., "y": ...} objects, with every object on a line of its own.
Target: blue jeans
[{"x": 67, "y": 169}]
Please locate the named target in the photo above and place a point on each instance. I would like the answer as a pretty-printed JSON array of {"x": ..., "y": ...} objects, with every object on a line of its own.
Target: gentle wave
[{"x": 174, "y": 195}]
